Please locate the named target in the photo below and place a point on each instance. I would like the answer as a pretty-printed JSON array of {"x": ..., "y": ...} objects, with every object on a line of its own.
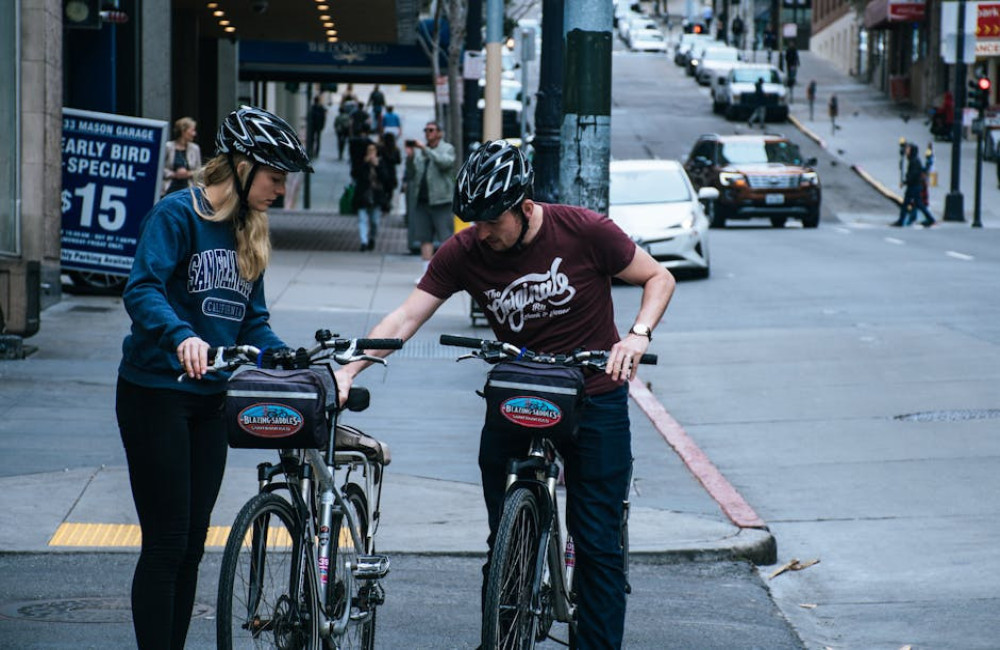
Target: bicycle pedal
[{"x": 371, "y": 567}]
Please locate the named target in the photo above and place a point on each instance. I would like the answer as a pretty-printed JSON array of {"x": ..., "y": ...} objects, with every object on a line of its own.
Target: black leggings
[{"x": 176, "y": 449}]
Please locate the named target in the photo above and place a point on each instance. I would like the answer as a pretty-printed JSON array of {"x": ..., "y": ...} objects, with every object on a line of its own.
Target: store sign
[
  {"x": 901, "y": 11},
  {"x": 982, "y": 30},
  {"x": 111, "y": 171}
]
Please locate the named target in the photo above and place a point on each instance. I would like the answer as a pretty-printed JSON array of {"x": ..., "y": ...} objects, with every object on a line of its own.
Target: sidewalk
[
  {"x": 65, "y": 486},
  {"x": 867, "y": 140}
]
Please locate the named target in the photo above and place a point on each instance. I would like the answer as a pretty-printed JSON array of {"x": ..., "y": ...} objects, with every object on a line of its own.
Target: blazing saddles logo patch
[
  {"x": 532, "y": 412},
  {"x": 268, "y": 420}
]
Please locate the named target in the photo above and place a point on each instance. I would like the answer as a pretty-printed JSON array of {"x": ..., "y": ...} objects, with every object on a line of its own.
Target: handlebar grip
[
  {"x": 212, "y": 352},
  {"x": 461, "y": 341},
  {"x": 648, "y": 358},
  {"x": 380, "y": 344}
]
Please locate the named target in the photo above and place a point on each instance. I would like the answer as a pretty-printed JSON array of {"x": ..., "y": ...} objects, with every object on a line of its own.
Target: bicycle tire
[
  {"x": 508, "y": 621},
  {"x": 361, "y": 635},
  {"x": 263, "y": 562}
]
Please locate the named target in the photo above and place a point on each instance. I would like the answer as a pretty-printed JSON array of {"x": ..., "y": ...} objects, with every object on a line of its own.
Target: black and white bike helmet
[
  {"x": 265, "y": 139},
  {"x": 494, "y": 179}
]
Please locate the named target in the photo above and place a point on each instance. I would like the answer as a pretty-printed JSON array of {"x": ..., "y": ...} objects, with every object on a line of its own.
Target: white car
[
  {"x": 646, "y": 40},
  {"x": 716, "y": 62},
  {"x": 656, "y": 205},
  {"x": 735, "y": 97},
  {"x": 687, "y": 44}
]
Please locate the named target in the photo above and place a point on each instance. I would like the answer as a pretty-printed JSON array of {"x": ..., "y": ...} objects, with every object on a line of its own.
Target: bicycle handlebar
[
  {"x": 341, "y": 350},
  {"x": 495, "y": 351}
]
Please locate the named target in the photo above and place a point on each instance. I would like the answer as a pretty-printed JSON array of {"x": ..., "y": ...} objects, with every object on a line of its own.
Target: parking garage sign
[{"x": 111, "y": 171}]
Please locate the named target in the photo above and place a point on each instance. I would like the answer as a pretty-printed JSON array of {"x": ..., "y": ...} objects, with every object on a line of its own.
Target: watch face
[{"x": 76, "y": 11}]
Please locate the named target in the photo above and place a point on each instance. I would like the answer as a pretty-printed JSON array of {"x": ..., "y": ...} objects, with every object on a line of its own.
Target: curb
[{"x": 857, "y": 169}]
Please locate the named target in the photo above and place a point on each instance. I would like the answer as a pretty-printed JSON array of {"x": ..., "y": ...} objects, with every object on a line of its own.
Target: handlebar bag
[
  {"x": 278, "y": 409},
  {"x": 525, "y": 398}
]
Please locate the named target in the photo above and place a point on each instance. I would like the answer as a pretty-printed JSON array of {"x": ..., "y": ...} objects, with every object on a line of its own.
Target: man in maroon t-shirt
[{"x": 542, "y": 275}]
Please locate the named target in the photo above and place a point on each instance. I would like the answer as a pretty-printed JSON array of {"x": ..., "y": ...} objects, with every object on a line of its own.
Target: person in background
[
  {"x": 811, "y": 98},
  {"x": 197, "y": 281},
  {"x": 913, "y": 198},
  {"x": 833, "y": 109},
  {"x": 372, "y": 180},
  {"x": 342, "y": 128},
  {"x": 759, "y": 113},
  {"x": 391, "y": 123},
  {"x": 389, "y": 151},
  {"x": 317, "y": 122},
  {"x": 182, "y": 157},
  {"x": 429, "y": 174},
  {"x": 376, "y": 101}
]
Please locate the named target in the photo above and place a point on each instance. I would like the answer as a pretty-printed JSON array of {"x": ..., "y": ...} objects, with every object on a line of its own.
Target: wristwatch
[{"x": 641, "y": 330}]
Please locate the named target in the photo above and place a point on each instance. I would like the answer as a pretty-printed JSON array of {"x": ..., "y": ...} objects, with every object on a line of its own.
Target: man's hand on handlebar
[
  {"x": 623, "y": 359},
  {"x": 344, "y": 382}
]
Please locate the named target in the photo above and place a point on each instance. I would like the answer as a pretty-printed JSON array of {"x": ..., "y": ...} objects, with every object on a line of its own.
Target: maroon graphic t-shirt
[{"x": 554, "y": 295}]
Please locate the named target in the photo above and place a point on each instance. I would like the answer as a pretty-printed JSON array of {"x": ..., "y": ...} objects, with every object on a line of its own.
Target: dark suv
[{"x": 757, "y": 176}]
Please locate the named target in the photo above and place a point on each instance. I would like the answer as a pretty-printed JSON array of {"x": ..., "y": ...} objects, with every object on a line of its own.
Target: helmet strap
[
  {"x": 519, "y": 244},
  {"x": 242, "y": 191}
]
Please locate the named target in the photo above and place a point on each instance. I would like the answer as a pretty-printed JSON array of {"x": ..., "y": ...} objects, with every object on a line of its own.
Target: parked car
[
  {"x": 646, "y": 40},
  {"x": 685, "y": 45},
  {"x": 756, "y": 176},
  {"x": 654, "y": 202},
  {"x": 714, "y": 62},
  {"x": 735, "y": 97}
]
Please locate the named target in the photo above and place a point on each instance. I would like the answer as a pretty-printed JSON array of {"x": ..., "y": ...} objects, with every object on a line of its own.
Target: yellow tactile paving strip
[{"x": 123, "y": 535}]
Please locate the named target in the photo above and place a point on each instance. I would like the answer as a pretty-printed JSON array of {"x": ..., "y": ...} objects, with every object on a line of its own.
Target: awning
[{"x": 881, "y": 14}]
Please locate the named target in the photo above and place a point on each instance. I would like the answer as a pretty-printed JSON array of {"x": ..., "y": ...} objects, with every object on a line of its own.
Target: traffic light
[{"x": 979, "y": 93}]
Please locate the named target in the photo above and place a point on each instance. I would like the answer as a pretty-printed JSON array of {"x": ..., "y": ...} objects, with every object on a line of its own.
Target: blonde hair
[
  {"x": 182, "y": 125},
  {"x": 253, "y": 241}
]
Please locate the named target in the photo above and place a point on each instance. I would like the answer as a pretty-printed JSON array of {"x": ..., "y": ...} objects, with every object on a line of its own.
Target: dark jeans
[
  {"x": 597, "y": 469},
  {"x": 912, "y": 203},
  {"x": 176, "y": 449}
]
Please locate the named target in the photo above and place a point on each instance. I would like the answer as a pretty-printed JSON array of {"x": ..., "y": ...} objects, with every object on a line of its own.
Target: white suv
[{"x": 735, "y": 96}]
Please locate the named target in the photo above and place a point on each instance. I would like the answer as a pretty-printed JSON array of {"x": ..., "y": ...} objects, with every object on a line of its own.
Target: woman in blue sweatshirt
[{"x": 197, "y": 281}]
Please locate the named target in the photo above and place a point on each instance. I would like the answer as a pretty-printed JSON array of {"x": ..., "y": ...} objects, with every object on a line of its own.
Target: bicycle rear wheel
[
  {"x": 508, "y": 621},
  {"x": 365, "y": 595},
  {"x": 267, "y": 595}
]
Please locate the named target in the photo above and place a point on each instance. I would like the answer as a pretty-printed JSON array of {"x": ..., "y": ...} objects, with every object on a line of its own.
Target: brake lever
[
  {"x": 345, "y": 358},
  {"x": 470, "y": 355}
]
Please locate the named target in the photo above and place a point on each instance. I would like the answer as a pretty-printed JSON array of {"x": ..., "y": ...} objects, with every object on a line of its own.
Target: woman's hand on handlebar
[
  {"x": 193, "y": 355},
  {"x": 623, "y": 359},
  {"x": 344, "y": 382}
]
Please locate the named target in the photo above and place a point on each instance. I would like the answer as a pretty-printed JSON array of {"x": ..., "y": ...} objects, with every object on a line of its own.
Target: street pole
[
  {"x": 472, "y": 127},
  {"x": 586, "y": 126},
  {"x": 548, "y": 110},
  {"x": 954, "y": 209},
  {"x": 977, "y": 221},
  {"x": 492, "y": 125}
]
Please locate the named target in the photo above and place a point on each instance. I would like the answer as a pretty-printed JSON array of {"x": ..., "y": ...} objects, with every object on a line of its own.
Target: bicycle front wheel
[
  {"x": 362, "y": 597},
  {"x": 508, "y": 621},
  {"x": 267, "y": 595}
]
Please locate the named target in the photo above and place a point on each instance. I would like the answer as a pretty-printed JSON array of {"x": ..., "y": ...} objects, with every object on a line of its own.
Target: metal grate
[
  {"x": 773, "y": 182},
  {"x": 955, "y": 415}
]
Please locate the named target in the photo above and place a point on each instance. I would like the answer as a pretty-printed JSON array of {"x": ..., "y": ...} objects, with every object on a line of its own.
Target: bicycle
[
  {"x": 530, "y": 581},
  {"x": 300, "y": 570}
]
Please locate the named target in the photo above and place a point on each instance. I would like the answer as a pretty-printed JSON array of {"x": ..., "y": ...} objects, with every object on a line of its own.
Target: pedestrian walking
[
  {"x": 372, "y": 181},
  {"x": 811, "y": 98},
  {"x": 391, "y": 122},
  {"x": 197, "y": 281},
  {"x": 376, "y": 102},
  {"x": 181, "y": 157},
  {"x": 913, "y": 200},
  {"x": 833, "y": 109},
  {"x": 316, "y": 124},
  {"x": 342, "y": 128},
  {"x": 429, "y": 173},
  {"x": 791, "y": 66},
  {"x": 759, "y": 105},
  {"x": 542, "y": 273},
  {"x": 770, "y": 41}
]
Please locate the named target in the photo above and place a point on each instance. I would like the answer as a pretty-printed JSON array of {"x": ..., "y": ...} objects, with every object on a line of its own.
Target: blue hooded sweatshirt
[{"x": 185, "y": 282}]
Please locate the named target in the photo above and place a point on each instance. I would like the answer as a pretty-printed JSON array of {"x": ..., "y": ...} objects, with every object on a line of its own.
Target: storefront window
[{"x": 9, "y": 127}]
